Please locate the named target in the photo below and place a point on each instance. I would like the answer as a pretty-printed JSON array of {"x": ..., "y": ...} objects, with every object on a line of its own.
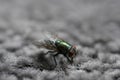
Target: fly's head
[{"x": 72, "y": 53}]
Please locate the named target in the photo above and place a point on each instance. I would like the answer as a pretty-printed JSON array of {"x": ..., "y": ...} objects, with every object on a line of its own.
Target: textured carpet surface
[{"x": 92, "y": 25}]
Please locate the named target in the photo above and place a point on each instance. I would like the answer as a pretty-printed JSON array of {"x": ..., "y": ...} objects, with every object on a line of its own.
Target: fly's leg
[
  {"x": 55, "y": 59},
  {"x": 70, "y": 60},
  {"x": 53, "y": 56},
  {"x": 60, "y": 74},
  {"x": 50, "y": 52}
]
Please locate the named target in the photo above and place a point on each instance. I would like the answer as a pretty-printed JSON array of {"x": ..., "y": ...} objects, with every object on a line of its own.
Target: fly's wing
[{"x": 47, "y": 41}]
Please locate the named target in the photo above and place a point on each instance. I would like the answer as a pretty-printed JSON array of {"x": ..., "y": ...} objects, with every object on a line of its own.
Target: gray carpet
[{"x": 92, "y": 25}]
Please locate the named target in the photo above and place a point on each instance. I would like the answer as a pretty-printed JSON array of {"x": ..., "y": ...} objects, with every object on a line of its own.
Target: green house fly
[{"x": 58, "y": 46}]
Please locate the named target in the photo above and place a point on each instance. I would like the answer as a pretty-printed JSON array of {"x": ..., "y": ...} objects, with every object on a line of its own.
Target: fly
[{"x": 58, "y": 46}]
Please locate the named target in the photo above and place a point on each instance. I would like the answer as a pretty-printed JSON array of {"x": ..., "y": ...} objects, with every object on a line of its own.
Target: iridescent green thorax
[{"x": 62, "y": 46}]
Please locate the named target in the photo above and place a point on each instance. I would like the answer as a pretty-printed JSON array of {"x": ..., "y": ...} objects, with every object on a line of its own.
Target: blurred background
[{"x": 92, "y": 25}]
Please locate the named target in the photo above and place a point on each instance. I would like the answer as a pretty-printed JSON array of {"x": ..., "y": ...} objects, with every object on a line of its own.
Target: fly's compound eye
[{"x": 72, "y": 52}]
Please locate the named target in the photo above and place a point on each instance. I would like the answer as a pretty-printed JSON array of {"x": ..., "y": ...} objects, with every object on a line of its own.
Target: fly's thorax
[{"x": 62, "y": 46}]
